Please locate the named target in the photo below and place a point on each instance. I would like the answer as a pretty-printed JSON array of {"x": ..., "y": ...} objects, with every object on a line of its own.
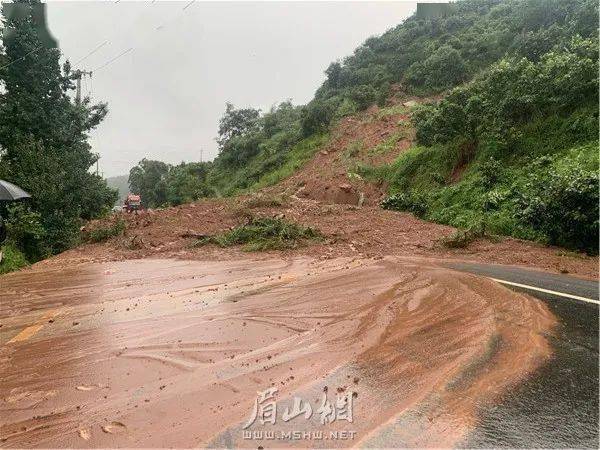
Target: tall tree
[
  {"x": 148, "y": 179},
  {"x": 43, "y": 132}
]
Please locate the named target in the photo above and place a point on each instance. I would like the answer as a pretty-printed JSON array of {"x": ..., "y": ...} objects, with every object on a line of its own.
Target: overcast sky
[{"x": 166, "y": 94}]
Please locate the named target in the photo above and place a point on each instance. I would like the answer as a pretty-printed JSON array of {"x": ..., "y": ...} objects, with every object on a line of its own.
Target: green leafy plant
[
  {"x": 414, "y": 202},
  {"x": 264, "y": 234},
  {"x": 12, "y": 258},
  {"x": 103, "y": 233}
]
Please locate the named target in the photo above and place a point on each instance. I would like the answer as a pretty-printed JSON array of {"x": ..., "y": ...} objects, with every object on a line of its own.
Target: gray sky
[{"x": 166, "y": 95}]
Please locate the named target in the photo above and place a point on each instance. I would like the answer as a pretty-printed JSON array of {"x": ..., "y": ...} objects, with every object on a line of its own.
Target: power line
[
  {"x": 91, "y": 53},
  {"x": 189, "y": 4},
  {"x": 160, "y": 27},
  {"x": 110, "y": 61}
]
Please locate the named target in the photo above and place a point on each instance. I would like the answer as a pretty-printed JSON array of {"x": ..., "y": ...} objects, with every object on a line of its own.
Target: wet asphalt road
[{"x": 558, "y": 407}]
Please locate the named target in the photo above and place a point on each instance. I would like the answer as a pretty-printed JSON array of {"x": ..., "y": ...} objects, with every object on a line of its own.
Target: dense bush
[
  {"x": 562, "y": 204},
  {"x": 545, "y": 188},
  {"x": 413, "y": 202},
  {"x": 443, "y": 69},
  {"x": 12, "y": 258},
  {"x": 102, "y": 233},
  {"x": 25, "y": 231},
  {"x": 431, "y": 54},
  {"x": 512, "y": 92}
]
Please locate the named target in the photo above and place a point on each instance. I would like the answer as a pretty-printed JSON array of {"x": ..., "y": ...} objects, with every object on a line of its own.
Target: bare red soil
[{"x": 367, "y": 231}]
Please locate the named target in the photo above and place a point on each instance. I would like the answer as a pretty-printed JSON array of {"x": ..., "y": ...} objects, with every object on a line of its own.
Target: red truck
[{"x": 132, "y": 203}]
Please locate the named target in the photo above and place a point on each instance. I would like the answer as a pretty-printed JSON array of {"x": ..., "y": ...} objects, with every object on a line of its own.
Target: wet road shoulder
[{"x": 558, "y": 406}]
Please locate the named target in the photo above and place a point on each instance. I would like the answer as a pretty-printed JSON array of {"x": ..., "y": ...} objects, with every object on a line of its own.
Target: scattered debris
[
  {"x": 193, "y": 234},
  {"x": 114, "y": 428},
  {"x": 84, "y": 434}
]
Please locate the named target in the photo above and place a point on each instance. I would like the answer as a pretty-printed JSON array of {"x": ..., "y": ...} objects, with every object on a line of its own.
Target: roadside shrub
[
  {"x": 564, "y": 206},
  {"x": 102, "y": 234},
  {"x": 12, "y": 258},
  {"x": 261, "y": 234},
  {"x": 414, "y": 202},
  {"x": 25, "y": 232}
]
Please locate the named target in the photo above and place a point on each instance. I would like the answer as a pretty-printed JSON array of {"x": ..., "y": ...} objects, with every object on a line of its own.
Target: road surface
[
  {"x": 558, "y": 407},
  {"x": 383, "y": 352}
]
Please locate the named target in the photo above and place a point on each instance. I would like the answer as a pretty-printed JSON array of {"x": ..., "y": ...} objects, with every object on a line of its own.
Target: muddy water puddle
[{"x": 169, "y": 353}]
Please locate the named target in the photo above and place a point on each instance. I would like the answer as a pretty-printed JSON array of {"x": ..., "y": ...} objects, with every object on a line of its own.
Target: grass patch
[
  {"x": 12, "y": 259},
  {"x": 391, "y": 111},
  {"x": 102, "y": 234},
  {"x": 353, "y": 149},
  {"x": 261, "y": 234},
  {"x": 299, "y": 155},
  {"x": 388, "y": 145}
]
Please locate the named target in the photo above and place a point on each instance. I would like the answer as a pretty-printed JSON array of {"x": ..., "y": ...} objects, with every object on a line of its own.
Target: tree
[
  {"x": 43, "y": 133},
  {"x": 187, "y": 183},
  {"x": 334, "y": 75},
  {"x": 148, "y": 180},
  {"x": 442, "y": 69},
  {"x": 236, "y": 122}
]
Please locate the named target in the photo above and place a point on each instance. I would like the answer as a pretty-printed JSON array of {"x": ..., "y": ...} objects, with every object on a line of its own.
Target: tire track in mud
[{"x": 423, "y": 348}]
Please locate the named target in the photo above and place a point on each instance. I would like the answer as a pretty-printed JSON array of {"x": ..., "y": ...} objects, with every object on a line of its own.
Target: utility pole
[
  {"x": 77, "y": 75},
  {"x": 201, "y": 152}
]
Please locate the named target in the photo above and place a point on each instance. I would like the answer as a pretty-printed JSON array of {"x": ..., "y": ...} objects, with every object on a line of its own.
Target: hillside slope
[
  {"x": 509, "y": 147},
  {"x": 507, "y": 144}
]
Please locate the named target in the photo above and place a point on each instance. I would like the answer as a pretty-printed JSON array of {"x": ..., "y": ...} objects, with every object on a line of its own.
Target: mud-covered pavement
[{"x": 172, "y": 353}]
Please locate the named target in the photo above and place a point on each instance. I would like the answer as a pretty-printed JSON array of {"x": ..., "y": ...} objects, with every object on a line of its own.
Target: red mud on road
[{"x": 157, "y": 353}]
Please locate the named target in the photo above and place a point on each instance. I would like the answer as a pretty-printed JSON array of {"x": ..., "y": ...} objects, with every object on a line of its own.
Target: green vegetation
[
  {"x": 515, "y": 149},
  {"x": 258, "y": 150},
  {"x": 431, "y": 54},
  {"x": 261, "y": 234},
  {"x": 12, "y": 258},
  {"x": 511, "y": 148},
  {"x": 161, "y": 184},
  {"x": 103, "y": 233},
  {"x": 533, "y": 178},
  {"x": 43, "y": 141}
]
